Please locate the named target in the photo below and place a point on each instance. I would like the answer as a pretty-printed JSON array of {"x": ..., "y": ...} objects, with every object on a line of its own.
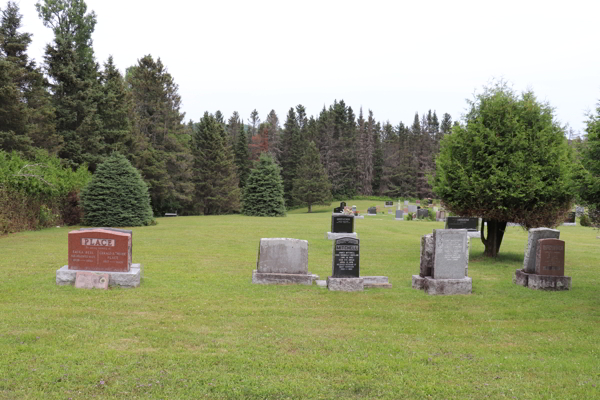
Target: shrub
[
  {"x": 585, "y": 220},
  {"x": 116, "y": 195}
]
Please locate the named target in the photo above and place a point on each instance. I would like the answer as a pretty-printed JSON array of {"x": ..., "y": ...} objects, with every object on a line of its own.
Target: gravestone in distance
[
  {"x": 579, "y": 211},
  {"x": 405, "y": 202},
  {"x": 430, "y": 201},
  {"x": 470, "y": 224},
  {"x": 412, "y": 209},
  {"x": 570, "y": 219},
  {"x": 340, "y": 209},
  {"x": 389, "y": 204},
  {"x": 342, "y": 225},
  {"x": 345, "y": 270},
  {"x": 426, "y": 255},
  {"x": 422, "y": 213},
  {"x": 372, "y": 211},
  {"x": 101, "y": 250},
  {"x": 418, "y": 202},
  {"x": 282, "y": 261},
  {"x": 399, "y": 215}
]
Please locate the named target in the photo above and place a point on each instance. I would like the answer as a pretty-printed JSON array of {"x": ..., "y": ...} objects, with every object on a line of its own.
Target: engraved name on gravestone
[
  {"x": 550, "y": 259},
  {"x": 127, "y": 231},
  {"x": 342, "y": 223},
  {"x": 346, "y": 258},
  {"x": 99, "y": 250},
  {"x": 450, "y": 257},
  {"x": 471, "y": 224}
]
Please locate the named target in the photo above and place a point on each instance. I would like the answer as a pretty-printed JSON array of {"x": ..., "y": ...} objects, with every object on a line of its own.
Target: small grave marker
[
  {"x": 550, "y": 258},
  {"x": 91, "y": 280}
]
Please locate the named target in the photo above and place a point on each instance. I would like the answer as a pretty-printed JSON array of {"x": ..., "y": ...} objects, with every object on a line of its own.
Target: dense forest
[{"x": 74, "y": 109}]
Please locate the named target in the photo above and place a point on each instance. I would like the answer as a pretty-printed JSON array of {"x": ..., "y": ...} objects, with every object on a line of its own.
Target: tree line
[{"x": 72, "y": 107}]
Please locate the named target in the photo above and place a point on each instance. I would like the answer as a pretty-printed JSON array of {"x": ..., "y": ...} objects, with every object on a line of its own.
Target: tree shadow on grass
[{"x": 501, "y": 258}]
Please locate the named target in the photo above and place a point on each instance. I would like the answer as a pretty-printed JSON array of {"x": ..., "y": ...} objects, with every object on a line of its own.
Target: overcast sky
[{"x": 393, "y": 57}]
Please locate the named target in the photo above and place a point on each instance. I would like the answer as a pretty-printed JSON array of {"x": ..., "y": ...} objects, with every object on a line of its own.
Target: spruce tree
[
  {"x": 311, "y": 185},
  {"x": 263, "y": 194},
  {"x": 216, "y": 188},
  {"x": 590, "y": 188},
  {"x": 242, "y": 157},
  {"x": 116, "y": 195}
]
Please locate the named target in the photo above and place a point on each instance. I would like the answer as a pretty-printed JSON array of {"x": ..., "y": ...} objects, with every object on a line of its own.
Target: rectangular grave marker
[
  {"x": 399, "y": 214},
  {"x": 342, "y": 223},
  {"x": 471, "y": 224},
  {"x": 451, "y": 256},
  {"x": 99, "y": 250},
  {"x": 550, "y": 259},
  {"x": 389, "y": 204},
  {"x": 91, "y": 280},
  {"x": 570, "y": 218},
  {"x": 372, "y": 210},
  {"x": 346, "y": 257}
]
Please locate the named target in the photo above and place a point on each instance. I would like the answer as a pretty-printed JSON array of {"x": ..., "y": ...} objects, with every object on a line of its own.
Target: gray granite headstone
[
  {"x": 451, "y": 253},
  {"x": 531, "y": 247},
  {"x": 405, "y": 202},
  {"x": 282, "y": 256},
  {"x": 412, "y": 209},
  {"x": 399, "y": 214}
]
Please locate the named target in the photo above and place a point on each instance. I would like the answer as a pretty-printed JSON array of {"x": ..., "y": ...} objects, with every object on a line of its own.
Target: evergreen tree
[
  {"x": 26, "y": 115},
  {"x": 254, "y": 122},
  {"x": 116, "y": 195},
  {"x": 233, "y": 127},
  {"x": 311, "y": 185},
  {"x": 215, "y": 180},
  {"x": 446, "y": 125},
  {"x": 291, "y": 152},
  {"x": 377, "y": 158},
  {"x": 590, "y": 190},
  {"x": 509, "y": 163},
  {"x": 242, "y": 157},
  {"x": 263, "y": 195},
  {"x": 76, "y": 88}
]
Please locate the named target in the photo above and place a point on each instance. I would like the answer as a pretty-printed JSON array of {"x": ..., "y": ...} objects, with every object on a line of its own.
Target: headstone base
[
  {"x": 448, "y": 286},
  {"x": 376, "y": 282},
  {"x": 542, "y": 282},
  {"x": 399, "y": 219},
  {"x": 263, "y": 278},
  {"x": 441, "y": 220},
  {"x": 570, "y": 224},
  {"x": 335, "y": 235},
  {"x": 474, "y": 234},
  {"x": 321, "y": 283},
  {"x": 131, "y": 279},
  {"x": 346, "y": 284},
  {"x": 418, "y": 282},
  {"x": 371, "y": 215},
  {"x": 359, "y": 216}
]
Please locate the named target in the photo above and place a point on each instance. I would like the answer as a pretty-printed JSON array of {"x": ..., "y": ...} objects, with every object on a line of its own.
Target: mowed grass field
[{"x": 197, "y": 328}]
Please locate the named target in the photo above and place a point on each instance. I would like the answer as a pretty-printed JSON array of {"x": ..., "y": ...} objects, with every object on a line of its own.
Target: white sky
[{"x": 393, "y": 57}]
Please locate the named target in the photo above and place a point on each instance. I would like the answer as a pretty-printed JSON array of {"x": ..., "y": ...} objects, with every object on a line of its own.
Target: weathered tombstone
[
  {"x": 470, "y": 224},
  {"x": 405, "y": 210},
  {"x": 91, "y": 280},
  {"x": 389, "y": 204},
  {"x": 412, "y": 209},
  {"x": 531, "y": 247},
  {"x": 100, "y": 250},
  {"x": 444, "y": 263},
  {"x": 550, "y": 259},
  {"x": 423, "y": 213},
  {"x": 570, "y": 219},
  {"x": 405, "y": 202},
  {"x": 390, "y": 211},
  {"x": 418, "y": 202},
  {"x": 282, "y": 261},
  {"x": 345, "y": 268},
  {"x": 372, "y": 211},
  {"x": 399, "y": 215}
]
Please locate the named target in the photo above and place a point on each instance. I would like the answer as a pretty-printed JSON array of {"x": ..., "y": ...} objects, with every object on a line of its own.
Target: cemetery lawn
[{"x": 197, "y": 327}]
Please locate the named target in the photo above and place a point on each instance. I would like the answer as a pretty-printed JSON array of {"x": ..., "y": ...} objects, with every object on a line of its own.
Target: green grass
[{"x": 197, "y": 328}]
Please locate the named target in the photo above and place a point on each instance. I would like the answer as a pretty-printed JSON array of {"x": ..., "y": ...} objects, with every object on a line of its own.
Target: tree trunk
[
  {"x": 495, "y": 233},
  {"x": 309, "y": 208}
]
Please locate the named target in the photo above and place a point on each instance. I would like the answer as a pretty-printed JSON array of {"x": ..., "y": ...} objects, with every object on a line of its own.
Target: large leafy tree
[
  {"x": 75, "y": 80},
  {"x": 214, "y": 172},
  {"x": 263, "y": 194},
  {"x": 509, "y": 162},
  {"x": 311, "y": 185},
  {"x": 590, "y": 189}
]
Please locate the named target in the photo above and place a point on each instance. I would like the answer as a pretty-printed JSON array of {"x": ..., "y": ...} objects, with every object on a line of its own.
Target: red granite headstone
[
  {"x": 550, "y": 257},
  {"x": 99, "y": 250}
]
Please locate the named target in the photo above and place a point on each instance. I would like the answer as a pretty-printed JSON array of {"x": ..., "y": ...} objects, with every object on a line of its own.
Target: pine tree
[
  {"x": 76, "y": 88},
  {"x": 311, "y": 185},
  {"x": 590, "y": 188},
  {"x": 291, "y": 152},
  {"x": 446, "y": 125},
  {"x": 215, "y": 179},
  {"x": 116, "y": 195},
  {"x": 263, "y": 195}
]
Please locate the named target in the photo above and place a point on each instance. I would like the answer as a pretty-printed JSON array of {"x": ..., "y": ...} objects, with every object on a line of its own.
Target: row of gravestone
[{"x": 285, "y": 261}]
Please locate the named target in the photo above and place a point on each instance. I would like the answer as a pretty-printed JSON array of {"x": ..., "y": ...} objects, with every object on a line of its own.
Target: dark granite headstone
[
  {"x": 342, "y": 223},
  {"x": 340, "y": 209},
  {"x": 570, "y": 218},
  {"x": 550, "y": 258},
  {"x": 372, "y": 210},
  {"x": 430, "y": 201},
  {"x": 423, "y": 213},
  {"x": 389, "y": 204},
  {"x": 471, "y": 224},
  {"x": 346, "y": 258}
]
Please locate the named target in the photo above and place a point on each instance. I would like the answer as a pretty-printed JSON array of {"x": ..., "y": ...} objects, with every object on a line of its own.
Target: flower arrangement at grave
[{"x": 348, "y": 211}]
